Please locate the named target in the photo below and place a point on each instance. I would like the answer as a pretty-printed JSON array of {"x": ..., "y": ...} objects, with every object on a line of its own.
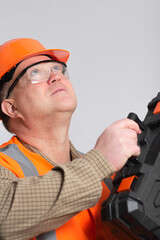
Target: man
[{"x": 48, "y": 190}]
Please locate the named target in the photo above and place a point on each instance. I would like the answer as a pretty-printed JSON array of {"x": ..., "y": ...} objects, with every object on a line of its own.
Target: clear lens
[
  {"x": 41, "y": 72},
  {"x": 66, "y": 73}
]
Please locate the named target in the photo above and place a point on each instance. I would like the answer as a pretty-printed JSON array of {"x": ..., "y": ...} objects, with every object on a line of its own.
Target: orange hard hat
[{"x": 16, "y": 50}]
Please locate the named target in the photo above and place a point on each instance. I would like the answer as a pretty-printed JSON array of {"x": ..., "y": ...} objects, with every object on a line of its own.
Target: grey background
[{"x": 115, "y": 54}]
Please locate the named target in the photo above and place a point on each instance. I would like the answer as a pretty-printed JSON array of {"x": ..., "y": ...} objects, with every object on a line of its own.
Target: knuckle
[{"x": 137, "y": 151}]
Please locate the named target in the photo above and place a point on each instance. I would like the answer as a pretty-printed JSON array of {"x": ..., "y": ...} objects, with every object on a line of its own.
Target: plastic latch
[
  {"x": 157, "y": 108},
  {"x": 126, "y": 183}
]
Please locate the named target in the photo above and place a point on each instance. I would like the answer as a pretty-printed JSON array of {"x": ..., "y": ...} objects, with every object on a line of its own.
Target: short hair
[{"x": 4, "y": 82}]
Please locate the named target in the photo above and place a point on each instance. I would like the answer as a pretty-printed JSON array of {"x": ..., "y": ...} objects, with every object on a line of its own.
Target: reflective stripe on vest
[
  {"x": 28, "y": 169},
  {"x": 47, "y": 236},
  {"x": 26, "y": 165}
]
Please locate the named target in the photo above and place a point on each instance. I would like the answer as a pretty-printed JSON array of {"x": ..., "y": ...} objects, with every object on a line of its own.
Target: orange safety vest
[{"x": 86, "y": 225}]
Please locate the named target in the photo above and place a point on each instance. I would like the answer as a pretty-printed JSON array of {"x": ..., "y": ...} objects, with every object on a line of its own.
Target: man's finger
[{"x": 128, "y": 123}]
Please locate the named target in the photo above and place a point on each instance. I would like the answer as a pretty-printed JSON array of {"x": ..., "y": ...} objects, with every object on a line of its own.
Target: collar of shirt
[{"x": 73, "y": 151}]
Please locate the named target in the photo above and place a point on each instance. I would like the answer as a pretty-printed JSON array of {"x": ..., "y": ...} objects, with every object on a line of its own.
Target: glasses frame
[{"x": 25, "y": 70}]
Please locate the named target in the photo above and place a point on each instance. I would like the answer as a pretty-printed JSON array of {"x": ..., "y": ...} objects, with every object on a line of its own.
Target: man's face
[{"x": 43, "y": 99}]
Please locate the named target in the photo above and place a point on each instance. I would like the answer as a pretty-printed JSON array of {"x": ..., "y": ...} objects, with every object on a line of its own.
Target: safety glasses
[{"x": 40, "y": 72}]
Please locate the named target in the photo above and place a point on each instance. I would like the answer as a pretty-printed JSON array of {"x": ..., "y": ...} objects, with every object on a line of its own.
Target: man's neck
[{"x": 52, "y": 141}]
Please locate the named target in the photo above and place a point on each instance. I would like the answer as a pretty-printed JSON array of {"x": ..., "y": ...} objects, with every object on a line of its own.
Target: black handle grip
[{"x": 134, "y": 117}]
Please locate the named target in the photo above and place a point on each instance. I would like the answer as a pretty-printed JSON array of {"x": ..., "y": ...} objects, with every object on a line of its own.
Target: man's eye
[
  {"x": 34, "y": 72},
  {"x": 57, "y": 68}
]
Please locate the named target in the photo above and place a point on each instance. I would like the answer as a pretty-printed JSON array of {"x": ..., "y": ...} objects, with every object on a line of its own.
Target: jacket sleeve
[{"x": 34, "y": 205}]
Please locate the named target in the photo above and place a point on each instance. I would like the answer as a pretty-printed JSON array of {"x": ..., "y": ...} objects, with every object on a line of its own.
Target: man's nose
[{"x": 53, "y": 77}]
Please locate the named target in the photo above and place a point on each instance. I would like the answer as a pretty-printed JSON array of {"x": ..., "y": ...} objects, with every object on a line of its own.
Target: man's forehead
[{"x": 29, "y": 61}]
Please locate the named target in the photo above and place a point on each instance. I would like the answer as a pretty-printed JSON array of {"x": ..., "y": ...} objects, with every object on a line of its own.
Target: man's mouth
[{"x": 58, "y": 90}]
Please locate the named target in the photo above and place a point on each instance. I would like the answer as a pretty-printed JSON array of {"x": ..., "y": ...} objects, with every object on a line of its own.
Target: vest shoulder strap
[{"x": 26, "y": 165}]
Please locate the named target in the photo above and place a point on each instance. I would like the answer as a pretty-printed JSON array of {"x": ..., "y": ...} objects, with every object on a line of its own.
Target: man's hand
[{"x": 118, "y": 142}]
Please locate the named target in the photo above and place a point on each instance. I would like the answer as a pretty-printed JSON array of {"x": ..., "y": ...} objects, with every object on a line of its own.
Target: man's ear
[{"x": 9, "y": 108}]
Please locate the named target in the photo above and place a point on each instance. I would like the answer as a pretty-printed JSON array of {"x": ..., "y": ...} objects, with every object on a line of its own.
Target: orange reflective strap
[
  {"x": 38, "y": 161},
  {"x": 12, "y": 165}
]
